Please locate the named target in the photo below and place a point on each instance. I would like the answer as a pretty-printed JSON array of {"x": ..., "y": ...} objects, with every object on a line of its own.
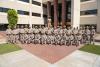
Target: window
[
  {"x": 89, "y": 12},
  {"x": 23, "y": 12},
  {"x": 44, "y": 5},
  {"x": 36, "y": 3},
  {"x": 2, "y": 9},
  {"x": 45, "y": 16},
  {"x": 36, "y": 14},
  {"x": 25, "y": 1}
]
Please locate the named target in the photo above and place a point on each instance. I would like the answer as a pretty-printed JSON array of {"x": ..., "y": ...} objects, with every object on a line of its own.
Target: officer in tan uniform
[
  {"x": 15, "y": 33},
  {"x": 93, "y": 32},
  {"x": 8, "y": 32},
  {"x": 79, "y": 37},
  {"x": 22, "y": 34},
  {"x": 26, "y": 34},
  {"x": 88, "y": 32},
  {"x": 52, "y": 39},
  {"x": 71, "y": 39},
  {"x": 30, "y": 35},
  {"x": 69, "y": 33}
]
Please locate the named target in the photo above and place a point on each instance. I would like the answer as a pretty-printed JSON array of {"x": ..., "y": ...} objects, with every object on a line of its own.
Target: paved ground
[
  {"x": 50, "y": 53},
  {"x": 22, "y": 58},
  {"x": 2, "y": 37},
  {"x": 80, "y": 59},
  {"x": 97, "y": 36}
]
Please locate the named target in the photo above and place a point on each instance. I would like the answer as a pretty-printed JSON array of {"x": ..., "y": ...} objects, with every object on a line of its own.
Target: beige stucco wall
[
  {"x": 88, "y": 19},
  {"x": 98, "y": 19},
  {"x": 88, "y": 5}
]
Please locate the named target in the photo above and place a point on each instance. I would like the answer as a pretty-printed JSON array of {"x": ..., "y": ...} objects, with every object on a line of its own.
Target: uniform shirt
[
  {"x": 44, "y": 37},
  {"x": 66, "y": 37},
  {"x": 88, "y": 32},
  {"x": 79, "y": 37},
  {"x": 40, "y": 30},
  {"x": 93, "y": 31},
  {"x": 36, "y": 31},
  {"x": 46, "y": 29},
  {"x": 71, "y": 37},
  {"x": 65, "y": 30},
  {"x": 76, "y": 31},
  {"x": 43, "y": 31},
  {"x": 22, "y": 30},
  {"x": 80, "y": 32},
  {"x": 61, "y": 31},
  {"x": 8, "y": 31},
  {"x": 30, "y": 30},
  {"x": 26, "y": 30},
  {"x": 58, "y": 37},
  {"x": 18, "y": 30},
  {"x": 15, "y": 31},
  {"x": 33, "y": 29},
  {"x": 52, "y": 37},
  {"x": 69, "y": 32},
  {"x": 83, "y": 31},
  {"x": 38, "y": 36}
]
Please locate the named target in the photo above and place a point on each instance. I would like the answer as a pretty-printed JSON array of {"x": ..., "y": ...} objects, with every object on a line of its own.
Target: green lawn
[
  {"x": 91, "y": 49},
  {"x": 6, "y": 48}
]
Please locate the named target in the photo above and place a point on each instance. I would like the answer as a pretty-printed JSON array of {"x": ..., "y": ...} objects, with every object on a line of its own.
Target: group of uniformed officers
[{"x": 54, "y": 36}]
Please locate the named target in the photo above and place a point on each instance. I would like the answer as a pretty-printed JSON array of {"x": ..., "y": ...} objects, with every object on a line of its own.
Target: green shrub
[{"x": 12, "y": 17}]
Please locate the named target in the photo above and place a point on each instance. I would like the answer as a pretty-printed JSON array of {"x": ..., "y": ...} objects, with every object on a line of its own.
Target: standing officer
[
  {"x": 15, "y": 35},
  {"x": 88, "y": 32},
  {"x": 22, "y": 34},
  {"x": 30, "y": 35},
  {"x": 93, "y": 35},
  {"x": 8, "y": 32},
  {"x": 79, "y": 37},
  {"x": 83, "y": 35},
  {"x": 26, "y": 34}
]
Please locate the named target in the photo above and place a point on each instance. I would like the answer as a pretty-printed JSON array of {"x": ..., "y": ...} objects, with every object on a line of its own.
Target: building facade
[
  {"x": 58, "y": 12},
  {"x": 29, "y": 11}
]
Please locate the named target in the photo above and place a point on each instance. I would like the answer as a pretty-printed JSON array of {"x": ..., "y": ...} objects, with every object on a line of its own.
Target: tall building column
[
  {"x": 98, "y": 16},
  {"x": 30, "y": 14},
  {"x": 49, "y": 13},
  {"x": 63, "y": 13},
  {"x": 55, "y": 13},
  {"x": 75, "y": 13}
]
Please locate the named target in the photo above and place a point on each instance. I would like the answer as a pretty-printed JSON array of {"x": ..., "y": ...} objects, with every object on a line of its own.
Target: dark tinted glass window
[
  {"x": 89, "y": 12},
  {"x": 45, "y": 16},
  {"x": 36, "y": 3},
  {"x": 23, "y": 12},
  {"x": 2, "y": 9},
  {"x": 44, "y": 5},
  {"x": 25, "y": 1},
  {"x": 36, "y": 14}
]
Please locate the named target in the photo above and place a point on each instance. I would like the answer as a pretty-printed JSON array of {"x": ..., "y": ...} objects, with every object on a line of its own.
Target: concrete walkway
[
  {"x": 80, "y": 59},
  {"x": 23, "y": 58}
]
